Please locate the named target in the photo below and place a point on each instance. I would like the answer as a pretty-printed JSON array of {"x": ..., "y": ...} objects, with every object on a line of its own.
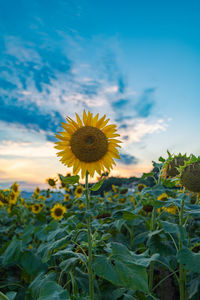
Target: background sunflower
[{"x": 58, "y": 211}]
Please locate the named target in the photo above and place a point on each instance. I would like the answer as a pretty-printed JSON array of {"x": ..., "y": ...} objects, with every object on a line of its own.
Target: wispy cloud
[{"x": 50, "y": 75}]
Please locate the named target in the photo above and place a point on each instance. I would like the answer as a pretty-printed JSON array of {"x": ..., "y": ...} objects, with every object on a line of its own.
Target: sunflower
[
  {"x": 190, "y": 174},
  {"x": 141, "y": 186},
  {"x": 58, "y": 211},
  {"x": 81, "y": 206},
  {"x": 79, "y": 191},
  {"x": 171, "y": 165},
  {"x": 67, "y": 197},
  {"x": 88, "y": 145},
  {"x": 41, "y": 197},
  {"x": 3, "y": 197},
  {"x": 172, "y": 209},
  {"x": 12, "y": 198},
  {"x": 163, "y": 197},
  {"x": 51, "y": 182},
  {"x": 114, "y": 188},
  {"x": 15, "y": 187},
  {"x": 36, "y": 208},
  {"x": 122, "y": 200},
  {"x": 36, "y": 192}
]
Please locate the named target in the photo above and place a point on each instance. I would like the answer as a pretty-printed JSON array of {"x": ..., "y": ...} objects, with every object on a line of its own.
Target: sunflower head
[
  {"x": 122, "y": 200},
  {"x": 67, "y": 197},
  {"x": 195, "y": 248},
  {"x": 58, "y": 211},
  {"x": 171, "y": 165},
  {"x": 114, "y": 188},
  {"x": 51, "y": 182},
  {"x": 79, "y": 191},
  {"x": 141, "y": 186},
  {"x": 190, "y": 174},
  {"x": 147, "y": 208},
  {"x": 81, "y": 206},
  {"x": 172, "y": 209},
  {"x": 12, "y": 198},
  {"x": 123, "y": 191},
  {"x": 88, "y": 144},
  {"x": 15, "y": 187},
  {"x": 162, "y": 197},
  {"x": 36, "y": 208},
  {"x": 4, "y": 198},
  {"x": 36, "y": 192}
]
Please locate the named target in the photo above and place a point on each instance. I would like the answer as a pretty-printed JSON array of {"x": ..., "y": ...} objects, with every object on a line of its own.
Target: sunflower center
[
  {"x": 58, "y": 212},
  {"x": 89, "y": 144}
]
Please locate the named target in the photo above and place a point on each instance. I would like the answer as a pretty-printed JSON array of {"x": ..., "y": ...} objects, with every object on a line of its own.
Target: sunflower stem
[
  {"x": 181, "y": 269},
  {"x": 90, "y": 272},
  {"x": 151, "y": 268}
]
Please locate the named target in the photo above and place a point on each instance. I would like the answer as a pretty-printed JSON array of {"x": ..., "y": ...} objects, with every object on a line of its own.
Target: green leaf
[
  {"x": 95, "y": 187},
  {"x": 39, "y": 282},
  {"x": 145, "y": 175},
  {"x": 161, "y": 159},
  {"x": 190, "y": 260},
  {"x": 12, "y": 253},
  {"x": 104, "y": 268},
  {"x": 51, "y": 290},
  {"x": 11, "y": 295},
  {"x": 174, "y": 228},
  {"x": 193, "y": 287},
  {"x": 32, "y": 263},
  {"x": 69, "y": 179},
  {"x": 3, "y": 297},
  {"x": 128, "y": 297},
  {"x": 68, "y": 263},
  {"x": 120, "y": 252},
  {"x": 127, "y": 215},
  {"x": 170, "y": 227},
  {"x": 132, "y": 276}
]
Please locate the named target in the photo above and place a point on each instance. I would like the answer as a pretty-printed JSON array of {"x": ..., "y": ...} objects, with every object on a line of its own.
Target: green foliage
[{"x": 42, "y": 258}]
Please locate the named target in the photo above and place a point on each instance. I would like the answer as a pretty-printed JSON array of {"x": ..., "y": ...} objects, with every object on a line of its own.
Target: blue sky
[{"x": 136, "y": 61}]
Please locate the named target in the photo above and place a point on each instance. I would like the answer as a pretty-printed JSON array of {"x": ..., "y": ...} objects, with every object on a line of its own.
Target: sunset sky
[{"x": 136, "y": 61}]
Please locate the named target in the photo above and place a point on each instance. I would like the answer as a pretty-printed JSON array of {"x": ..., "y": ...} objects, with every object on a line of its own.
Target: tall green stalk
[
  {"x": 151, "y": 269},
  {"x": 181, "y": 269},
  {"x": 90, "y": 272}
]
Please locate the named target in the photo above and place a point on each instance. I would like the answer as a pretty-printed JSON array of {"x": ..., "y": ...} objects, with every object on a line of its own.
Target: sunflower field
[{"x": 77, "y": 241}]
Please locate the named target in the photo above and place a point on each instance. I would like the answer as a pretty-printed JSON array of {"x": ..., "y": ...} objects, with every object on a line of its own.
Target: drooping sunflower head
[
  {"x": 15, "y": 187},
  {"x": 36, "y": 192},
  {"x": 51, "y": 182},
  {"x": 123, "y": 191},
  {"x": 190, "y": 174},
  {"x": 79, "y": 191},
  {"x": 141, "y": 186},
  {"x": 171, "y": 165},
  {"x": 162, "y": 197},
  {"x": 88, "y": 144},
  {"x": 58, "y": 211}
]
